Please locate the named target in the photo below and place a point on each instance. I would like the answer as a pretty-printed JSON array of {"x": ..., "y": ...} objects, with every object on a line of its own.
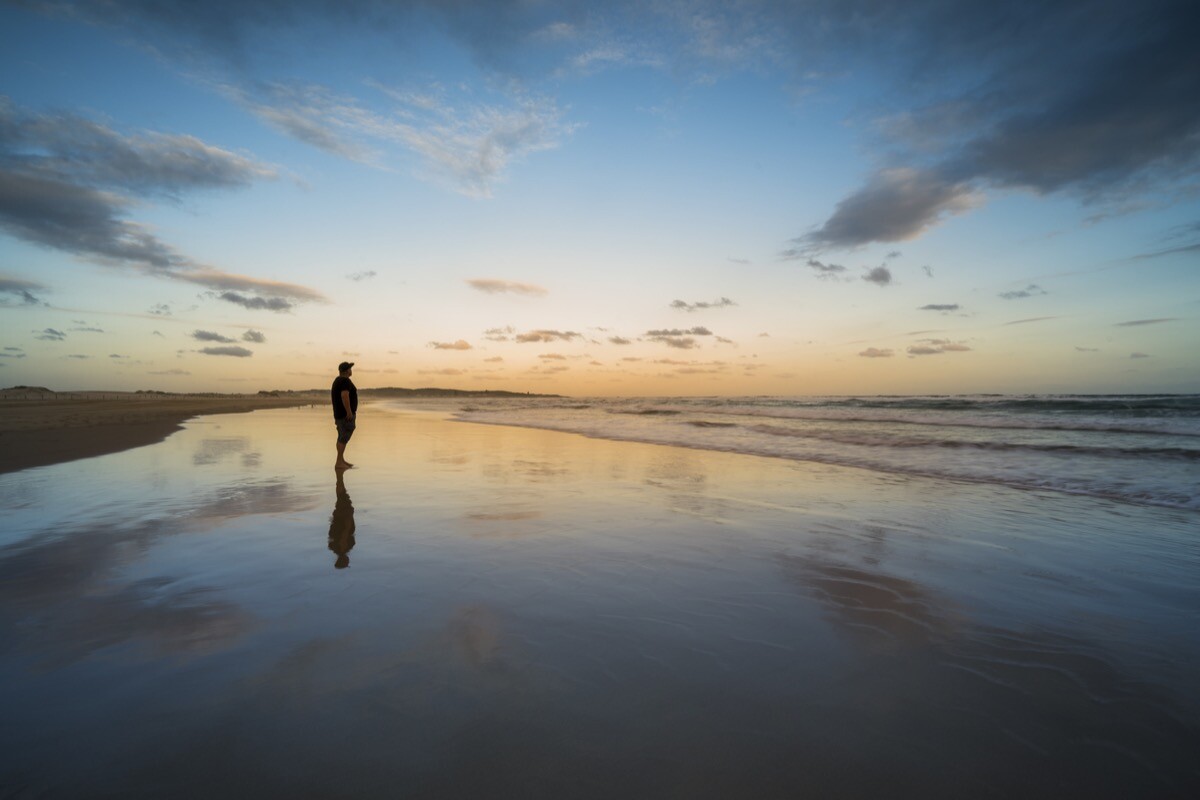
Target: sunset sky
[{"x": 646, "y": 198}]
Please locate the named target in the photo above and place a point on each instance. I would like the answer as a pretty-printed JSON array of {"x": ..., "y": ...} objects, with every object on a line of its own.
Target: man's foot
[{"x": 343, "y": 465}]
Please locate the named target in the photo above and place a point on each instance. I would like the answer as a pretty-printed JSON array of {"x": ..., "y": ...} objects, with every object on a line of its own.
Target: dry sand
[{"x": 40, "y": 428}]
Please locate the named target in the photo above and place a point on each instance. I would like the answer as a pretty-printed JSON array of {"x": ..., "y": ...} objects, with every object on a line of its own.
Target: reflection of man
[
  {"x": 344, "y": 395},
  {"x": 341, "y": 525}
]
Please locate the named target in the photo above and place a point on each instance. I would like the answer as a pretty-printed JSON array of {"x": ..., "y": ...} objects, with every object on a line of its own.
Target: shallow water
[{"x": 490, "y": 611}]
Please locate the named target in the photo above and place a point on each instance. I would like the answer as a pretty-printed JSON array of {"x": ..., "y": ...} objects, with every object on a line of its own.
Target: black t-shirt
[{"x": 341, "y": 384}]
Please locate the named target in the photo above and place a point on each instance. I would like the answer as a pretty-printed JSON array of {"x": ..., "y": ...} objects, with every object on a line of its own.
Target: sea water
[{"x": 1142, "y": 449}]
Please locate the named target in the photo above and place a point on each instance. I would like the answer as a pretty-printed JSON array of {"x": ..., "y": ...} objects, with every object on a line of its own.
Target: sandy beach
[
  {"x": 484, "y": 610},
  {"x": 39, "y": 428}
]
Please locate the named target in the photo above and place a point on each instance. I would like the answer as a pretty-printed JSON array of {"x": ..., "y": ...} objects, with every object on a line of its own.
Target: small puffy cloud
[
  {"x": 632, "y": 358},
  {"x": 824, "y": 270},
  {"x": 553, "y": 356},
  {"x": 939, "y": 307},
  {"x": 1138, "y": 322},
  {"x": 928, "y": 271},
  {"x": 358, "y": 277},
  {"x": 227, "y": 350},
  {"x": 116, "y": 355},
  {"x": 254, "y": 336},
  {"x": 923, "y": 350},
  {"x": 211, "y": 336},
  {"x": 21, "y": 290},
  {"x": 79, "y": 356},
  {"x": 496, "y": 286},
  {"x": 494, "y": 359},
  {"x": 50, "y": 335},
  {"x": 1087, "y": 349},
  {"x": 701, "y": 305},
  {"x": 160, "y": 310},
  {"x": 158, "y": 334},
  {"x": 461, "y": 344},
  {"x": 699, "y": 330},
  {"x": 88, "y": 329},
  {"x": 955, "y": 347},
  {"x": 620, "y": 340},
  {"x": 678, "y": 342},
  {"x": 1032, "y": 290},
  {"x": 880, "y": 276},
  {"x": 256, "y": 303},
  {"x": 875, "y": 352},
  {"x": 1139, "y": 355},
  {"x": 542, "y": 335}
]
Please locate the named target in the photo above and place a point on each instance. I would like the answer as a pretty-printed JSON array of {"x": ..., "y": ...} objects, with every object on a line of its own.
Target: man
[{"x": 345, "y": 406}]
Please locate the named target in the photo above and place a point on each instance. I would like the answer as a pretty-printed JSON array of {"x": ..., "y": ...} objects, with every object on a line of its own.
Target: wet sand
[
  {"x": 481, "y": 611},
  {"x": 38, "y": 428}
]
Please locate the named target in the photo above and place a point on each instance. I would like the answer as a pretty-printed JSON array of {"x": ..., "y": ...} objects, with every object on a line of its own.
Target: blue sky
[{"x": 638, "y": 198}]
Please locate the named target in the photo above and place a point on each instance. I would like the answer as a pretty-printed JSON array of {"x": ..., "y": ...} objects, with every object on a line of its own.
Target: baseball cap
[{"x": 345, "y": 365}]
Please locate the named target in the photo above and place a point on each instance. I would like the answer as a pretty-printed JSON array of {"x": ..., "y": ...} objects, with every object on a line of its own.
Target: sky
[{"x": 648, "y": 198}]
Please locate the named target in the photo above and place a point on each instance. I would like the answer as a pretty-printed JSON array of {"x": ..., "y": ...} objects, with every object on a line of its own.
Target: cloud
[
  {"x": 547, "y": 336},
  {"x": 928, "y": 271},
  {"x": 258, "y": 337},
  {"x": 621, "y": 340},
  {"x": 924, "y": 350},
  {"x": 699, "y": 330},
  {"x": 461, "y": 344},
  {"x": 1032, "y": 290},
  {"x": 700, "y": 305},
  {"x": 496, "y": 286},
  {"x": 1138, "y": 322},
  {"x": 1139, "y": 355},
  {"x": 1087, "y": 349},
  {"x": 1098, "y": 106},
  {"x": 553, "y": 357},
  {"x": 939, "y": 307},
  {"x": 23, "y": 290},
  {"x": 88, "y": 329},
  {"x": 494, "y": 359},
  {"x": 160, "y": 310},
  {"x": 362, "y": 276},
  {"x": 875, "y": 352},
  {"x": 880, "y": 276},
  {"x": 678, "y": 342},
  {"x": 211, "y": 336},
  {"x": 1030, "y": 319},
  {"x": 227, "y": 350},
  {"x": 468, "y": 143},
  {"x": 447, "y": 371},
  {"x": 732, "y": 260},
  {"x": 823, "y": 270},
  {"x": 50, "y": 335},
  {"x": 77, "y": 356},
  {"x": 169, "y": 372},
  {"x": 116, "y": 355},
  {"x": 896, "y": 205},
  {"x": 70, "y": 184},
  {"x": 277, "y": 304}
]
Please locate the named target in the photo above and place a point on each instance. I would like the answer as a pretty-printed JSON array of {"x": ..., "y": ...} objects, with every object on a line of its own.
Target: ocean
[{"x": 1142, "y": 449}]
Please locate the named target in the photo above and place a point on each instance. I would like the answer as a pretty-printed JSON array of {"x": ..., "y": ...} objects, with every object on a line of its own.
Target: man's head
[{"x": 345, "y": 367}]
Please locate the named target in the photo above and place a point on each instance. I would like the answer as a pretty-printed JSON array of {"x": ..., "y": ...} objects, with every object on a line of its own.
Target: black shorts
[{"x": 345, "y": 429}]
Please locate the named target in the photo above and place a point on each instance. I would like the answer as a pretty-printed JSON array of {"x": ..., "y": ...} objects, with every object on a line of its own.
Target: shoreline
[{"x": 59, "y": 429}]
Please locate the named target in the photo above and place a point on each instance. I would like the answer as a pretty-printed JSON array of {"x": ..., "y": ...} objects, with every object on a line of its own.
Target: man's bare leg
[{"x": 341, "y": 462}]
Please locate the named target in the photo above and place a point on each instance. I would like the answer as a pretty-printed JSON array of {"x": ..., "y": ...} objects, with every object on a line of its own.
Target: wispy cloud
[
  {"x": 1138, "y": 322},
  {"x": 619, "y": 340},
  {"x": 1028, "y": 320},
  {"x": 22, "y": 290},
  {"x": 497, "y": 286},
  {"x": 50, "y": 335},
  {"x": 939, "y": 307},
  {"x": 1139, "y": 355},
  {"x": 699, "y": 330},
  {"x": 364, "y": 275},
  {"x": 876, "y": 352},
  {"x": 461, "y": 344},
  {"x": 1032, "y": 290}
]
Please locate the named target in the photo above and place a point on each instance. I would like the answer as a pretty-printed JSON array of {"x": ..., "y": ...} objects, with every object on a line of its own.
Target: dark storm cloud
[
  {"x": 1032, "y": 290},
  {"x": 939, "y": 307},
  {"x": 227, "y": 350},
  {"x": 211, "y": 336},
  {"x": 23, "y": 290}
]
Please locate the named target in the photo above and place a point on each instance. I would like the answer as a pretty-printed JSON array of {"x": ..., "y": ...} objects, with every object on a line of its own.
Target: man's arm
[{"x": 346, "y": 404}]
